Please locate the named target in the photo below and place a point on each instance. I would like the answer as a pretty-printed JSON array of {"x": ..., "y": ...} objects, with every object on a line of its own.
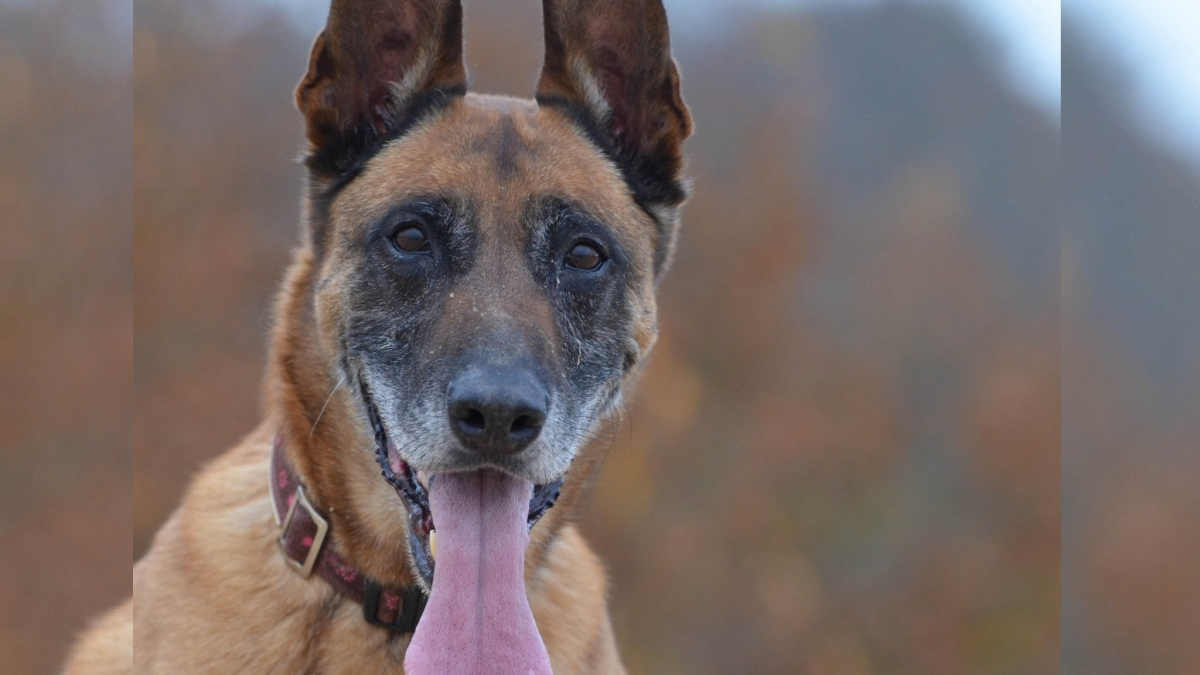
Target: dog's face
[
  {"x": 486, "y": 267},
  {"x": 489, "y": 278}
]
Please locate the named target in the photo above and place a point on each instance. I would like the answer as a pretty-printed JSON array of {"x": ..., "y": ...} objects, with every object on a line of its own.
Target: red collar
[{"x": 303, "y": 540}]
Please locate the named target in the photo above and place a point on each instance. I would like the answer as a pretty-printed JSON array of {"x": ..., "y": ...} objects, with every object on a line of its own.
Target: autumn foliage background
[{"x": 845, "y": 456}]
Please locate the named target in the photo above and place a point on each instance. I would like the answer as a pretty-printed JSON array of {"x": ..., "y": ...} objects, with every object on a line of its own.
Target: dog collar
[{"x": 304, "y": 533}]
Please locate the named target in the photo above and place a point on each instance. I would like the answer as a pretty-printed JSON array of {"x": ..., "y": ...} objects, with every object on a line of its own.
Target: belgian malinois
[{"x": 473, "y": 293}]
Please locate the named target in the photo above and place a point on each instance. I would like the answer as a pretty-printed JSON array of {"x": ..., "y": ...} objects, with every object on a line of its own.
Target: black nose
[{"x": 497, "y": 411}]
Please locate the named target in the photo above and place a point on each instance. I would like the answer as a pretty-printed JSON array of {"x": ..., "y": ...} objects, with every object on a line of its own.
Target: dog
[{"x": 473, "y": 295}]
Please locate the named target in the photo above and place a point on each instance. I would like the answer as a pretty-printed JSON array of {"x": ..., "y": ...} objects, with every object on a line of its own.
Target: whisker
[{"x": 340, "y": 382}]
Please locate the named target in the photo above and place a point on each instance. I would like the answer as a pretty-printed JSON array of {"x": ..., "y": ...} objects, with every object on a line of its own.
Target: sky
[{"x": 1156, "y": 42}]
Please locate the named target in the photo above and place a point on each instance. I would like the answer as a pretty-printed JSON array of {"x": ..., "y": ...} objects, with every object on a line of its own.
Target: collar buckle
[{"x": 318, "y": 538}]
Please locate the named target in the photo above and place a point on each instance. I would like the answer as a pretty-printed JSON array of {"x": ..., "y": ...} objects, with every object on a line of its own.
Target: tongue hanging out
[{"x": 478, "y": 621}]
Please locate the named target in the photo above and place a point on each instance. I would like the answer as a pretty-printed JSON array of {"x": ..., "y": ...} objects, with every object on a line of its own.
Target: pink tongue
[{"x": 477, "y": 621}]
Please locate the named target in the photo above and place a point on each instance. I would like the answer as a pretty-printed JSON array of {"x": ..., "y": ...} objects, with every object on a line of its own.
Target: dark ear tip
[
  {"x": 366, "y": 43},
  {"x": 318, "y": 54},
  {"x": 643, "y": 121},
  {"x": 686, "y": 125}
]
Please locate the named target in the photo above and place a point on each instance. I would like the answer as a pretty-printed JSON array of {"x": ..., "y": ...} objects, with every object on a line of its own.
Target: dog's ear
[
  {"x": 374, "y": 68},
  {"x": 611, "y": 59}
]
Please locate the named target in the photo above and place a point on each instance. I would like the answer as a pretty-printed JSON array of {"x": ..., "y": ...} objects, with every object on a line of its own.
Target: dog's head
[
  {"x": 478, "y": 275},
  {"x": 487, "y": 266}
]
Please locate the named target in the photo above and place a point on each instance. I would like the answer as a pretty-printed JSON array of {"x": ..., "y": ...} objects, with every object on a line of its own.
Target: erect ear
[
  {"x": 377, "y": 65},
  {"x": 612, "y": 60}
]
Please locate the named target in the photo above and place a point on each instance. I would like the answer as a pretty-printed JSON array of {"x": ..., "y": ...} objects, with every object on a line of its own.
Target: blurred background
[
  {"x": 845, "y": 457},
  {"x": 1131, "y": 337},
  {"x": 66, "y": 322}
]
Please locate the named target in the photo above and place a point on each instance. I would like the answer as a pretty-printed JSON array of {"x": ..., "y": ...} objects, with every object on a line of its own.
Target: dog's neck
[{"x": 303, "y": 536}]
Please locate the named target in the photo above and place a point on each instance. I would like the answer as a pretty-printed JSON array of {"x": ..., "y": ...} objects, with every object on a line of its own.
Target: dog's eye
[
  {"x": 411, "y": 239},
  {"x": 585, "y": 256}
]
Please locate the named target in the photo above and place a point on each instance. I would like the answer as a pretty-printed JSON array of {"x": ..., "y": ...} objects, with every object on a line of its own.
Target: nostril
[
  {"x": 473, "y": 421},
  {"x": 525, "y": 427}
]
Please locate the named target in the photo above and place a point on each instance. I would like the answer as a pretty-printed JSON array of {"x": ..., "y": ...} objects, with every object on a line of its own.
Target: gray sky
[{"x": 1156, "y": 41}]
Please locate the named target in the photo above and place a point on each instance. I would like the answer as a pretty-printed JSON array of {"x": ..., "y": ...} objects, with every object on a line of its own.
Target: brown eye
[
  {"x": 411, "y": 240},
  {"x": 585, "y": 257}
]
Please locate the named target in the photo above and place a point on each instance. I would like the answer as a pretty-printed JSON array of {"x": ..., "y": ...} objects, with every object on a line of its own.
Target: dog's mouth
[
  {"x": 414, "y": 488},
  {"x": 478, "y": 617}
]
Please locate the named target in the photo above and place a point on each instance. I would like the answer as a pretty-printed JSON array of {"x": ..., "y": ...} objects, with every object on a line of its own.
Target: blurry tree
[{"x": 66, "y": 346}]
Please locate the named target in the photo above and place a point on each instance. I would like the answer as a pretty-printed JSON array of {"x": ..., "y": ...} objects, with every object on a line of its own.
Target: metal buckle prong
[{"x": 306, "y": 568}]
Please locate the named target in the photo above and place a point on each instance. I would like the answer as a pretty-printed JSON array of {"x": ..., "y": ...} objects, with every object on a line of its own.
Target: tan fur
[{"x": 107, "y": 647}]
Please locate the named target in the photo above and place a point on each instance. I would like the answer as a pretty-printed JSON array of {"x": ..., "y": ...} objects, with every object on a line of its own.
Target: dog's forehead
[{"x": 497, "y": 154}]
